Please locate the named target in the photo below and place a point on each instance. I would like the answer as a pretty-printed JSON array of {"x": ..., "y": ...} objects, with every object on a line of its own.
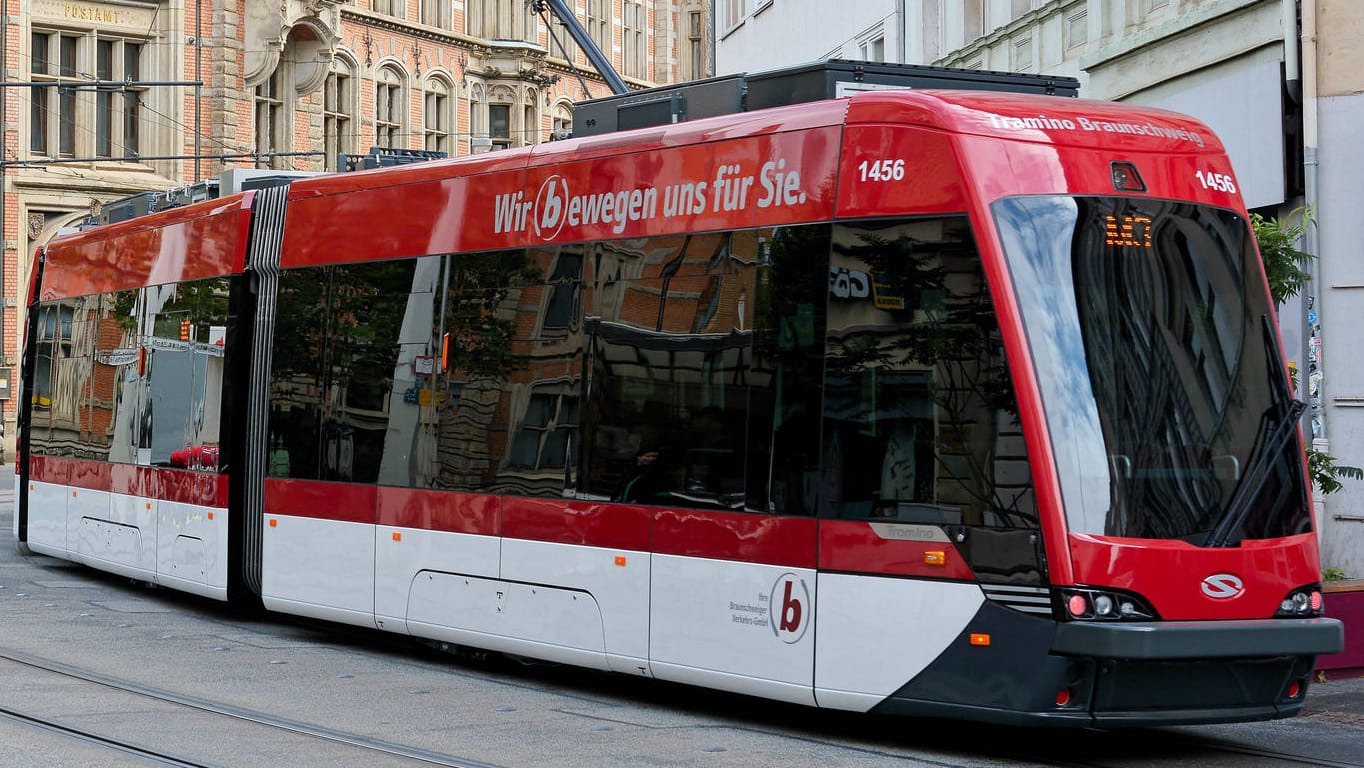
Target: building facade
[
  {"x": 1280, "y": 81},
  {"x": 109, "y": 99}
]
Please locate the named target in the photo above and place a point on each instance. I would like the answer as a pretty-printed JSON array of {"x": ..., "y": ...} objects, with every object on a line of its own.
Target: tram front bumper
[
  {"x": 1186, "y": 672},
  {"x": 1199, "y": 639}
]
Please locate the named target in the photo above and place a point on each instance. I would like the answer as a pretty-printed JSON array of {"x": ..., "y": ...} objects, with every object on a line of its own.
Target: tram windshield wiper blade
[{"x": 1285, "y": 428}]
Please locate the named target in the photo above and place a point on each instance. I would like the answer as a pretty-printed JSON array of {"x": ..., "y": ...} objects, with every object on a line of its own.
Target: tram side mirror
[
  {"x": 1120, "y": 465},
  {"x": 1226, "y": 467}
]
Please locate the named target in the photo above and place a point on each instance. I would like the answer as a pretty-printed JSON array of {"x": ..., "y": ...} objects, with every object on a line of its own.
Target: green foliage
[
  {"x": 1333, "y": 574},
  {"x": 1327, "y": 474},
  {"x": 1278, "y": 250},
  {"x": 1284, "y": 267}
]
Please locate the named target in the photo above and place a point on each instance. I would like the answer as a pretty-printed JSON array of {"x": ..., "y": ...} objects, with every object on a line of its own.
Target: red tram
[{"x": 950, "y": 403}]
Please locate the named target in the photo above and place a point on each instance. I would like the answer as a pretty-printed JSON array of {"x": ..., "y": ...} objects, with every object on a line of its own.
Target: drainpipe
[
  {"x": 1313, "y": 301},
  {"x": 1310, "y": 166},
  {"x": 1292, "y": 71}
]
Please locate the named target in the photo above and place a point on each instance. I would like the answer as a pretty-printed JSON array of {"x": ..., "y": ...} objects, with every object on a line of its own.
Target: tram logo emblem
[
  {"x": 1221, "y": 586},
  {"x": 550, "y": 203},
  {"x": 790, "y": 608}
]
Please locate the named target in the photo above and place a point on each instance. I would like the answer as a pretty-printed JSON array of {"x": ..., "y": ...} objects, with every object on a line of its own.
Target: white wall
[
  {"x": 1341, "y": 292},
  {"x": 787, "y": 32}
]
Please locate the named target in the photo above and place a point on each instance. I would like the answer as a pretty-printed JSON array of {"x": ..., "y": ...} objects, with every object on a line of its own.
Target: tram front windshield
[{"x": 1153, "y": 341}]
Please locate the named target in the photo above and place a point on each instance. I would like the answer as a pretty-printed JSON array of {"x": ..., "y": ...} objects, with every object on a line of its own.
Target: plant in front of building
[{"x": 1284, "y": 266}]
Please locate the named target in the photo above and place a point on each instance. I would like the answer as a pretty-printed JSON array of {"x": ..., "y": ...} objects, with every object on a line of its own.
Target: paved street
[{"x": 178, "y": 676}]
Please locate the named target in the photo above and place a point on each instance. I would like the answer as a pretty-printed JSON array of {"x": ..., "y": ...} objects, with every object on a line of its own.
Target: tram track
[
  {"x": 94, "y": 739},
  {"x": 367, "y": 744}
]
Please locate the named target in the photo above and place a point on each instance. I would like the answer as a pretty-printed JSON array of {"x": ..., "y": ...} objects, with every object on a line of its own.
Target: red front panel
[
  {"x": 176, "y": 485},
  {"x": 1170, "y": 574},
  {"x": 764, "y": 180},
  {"x": 1003, "y": 169},
  {"x": 1010, "y": 168},
  {"x": 191, "y": 243}
]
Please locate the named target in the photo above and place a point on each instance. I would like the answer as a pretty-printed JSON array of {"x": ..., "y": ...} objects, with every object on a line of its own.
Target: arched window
[
  {"x": 562, "y": 123},
  {"x": 338, "y": 112},
  {"x": 390, "y": 110},
  {"x": 438, "y": 116}
]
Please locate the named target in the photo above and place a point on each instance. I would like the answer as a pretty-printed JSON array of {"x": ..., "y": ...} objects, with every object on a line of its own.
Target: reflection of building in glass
[
  {"x": 920, "y": 422},
  {"x": 132, "y": 376}
]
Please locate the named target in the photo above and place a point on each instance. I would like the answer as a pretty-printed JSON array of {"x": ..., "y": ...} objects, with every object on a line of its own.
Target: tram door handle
[
  {"x": 1120, "y": 465},
  {"x": 1226, "y": 467}
]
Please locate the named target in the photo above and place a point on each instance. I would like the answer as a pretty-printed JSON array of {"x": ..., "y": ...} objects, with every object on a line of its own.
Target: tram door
[
  {"x": 921, "y": 445},
  {"x": 710, "y": 362}
]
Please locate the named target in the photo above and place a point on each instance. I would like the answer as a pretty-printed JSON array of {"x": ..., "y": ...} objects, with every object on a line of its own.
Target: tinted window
[
  {"x": 690, "y": 342},
  {"x": 920, "y": 420}
]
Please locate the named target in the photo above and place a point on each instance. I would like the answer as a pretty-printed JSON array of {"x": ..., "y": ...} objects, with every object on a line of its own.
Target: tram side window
[
  {"x": 115, "y": 394},
  {"x": 487, "y": 381},
  {"x": 56, "y": 384},
  {"x": 651, "y": 375},
  {"x": 920, "y": 419},
  {"x": 542, "y": 391},
  {"x": 681, "y": 333},
  {"x": 788, "y": 371},
  {"x": 337, "y": 346},
  {"x": 181, "y": 389}
]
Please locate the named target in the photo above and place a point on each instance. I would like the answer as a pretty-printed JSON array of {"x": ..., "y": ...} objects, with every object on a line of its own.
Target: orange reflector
[
  {"x": 210, "y": 514},
  {"x": 445, "y": 352},
  {"x": 935, "y": 558},
  {"x": 149, "y": 506},
  {"x": 273, "y": 522},
  {"x": 141, "y": 362},
  {"x": 980, "y": 638},
  {"x": 73, "y": 494},
  {"x": 397, "y": 536},
  {"x": 620, "y": 560}
]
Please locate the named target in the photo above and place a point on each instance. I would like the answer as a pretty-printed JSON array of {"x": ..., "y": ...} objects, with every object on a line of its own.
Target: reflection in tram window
[
  {"x": 133, "y": 376},
  {"x": 687, "y": 359},
  {"x": 57, "y": 377},
  {"x": 920, "y": 421},
  {"x": 337, "y": 343}
]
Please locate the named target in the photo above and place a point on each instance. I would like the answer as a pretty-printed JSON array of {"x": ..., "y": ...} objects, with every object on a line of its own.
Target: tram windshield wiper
[{"x": 1278, "y": 426}]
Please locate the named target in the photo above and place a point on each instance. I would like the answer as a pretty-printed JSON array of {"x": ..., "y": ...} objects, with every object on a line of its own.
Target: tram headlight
[
  {"x": 1103, "y": 605},
  {"x": 1303, "y": 602},
  {"x": 1085, "y": 604}
]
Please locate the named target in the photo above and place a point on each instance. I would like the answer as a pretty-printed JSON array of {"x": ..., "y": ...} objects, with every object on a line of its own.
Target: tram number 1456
[{"x": 882, "y": 170}]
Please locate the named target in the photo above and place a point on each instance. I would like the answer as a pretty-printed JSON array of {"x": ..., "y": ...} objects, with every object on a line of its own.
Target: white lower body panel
[{"x": 874, "y": 634}]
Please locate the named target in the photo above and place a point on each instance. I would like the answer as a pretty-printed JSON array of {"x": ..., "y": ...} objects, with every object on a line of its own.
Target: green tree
[{"x": 1284, "y": 265}]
